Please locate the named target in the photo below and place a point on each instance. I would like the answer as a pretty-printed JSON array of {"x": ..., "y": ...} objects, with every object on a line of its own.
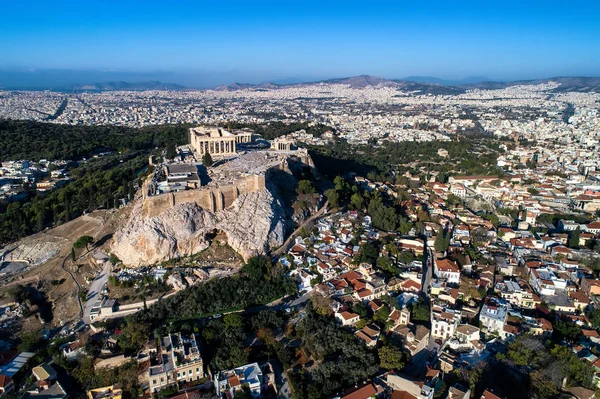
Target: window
[
  {"x": 153, "y": 381},
  {"x": 197, "y": 369},
  {"x": 178, "y": 375}
]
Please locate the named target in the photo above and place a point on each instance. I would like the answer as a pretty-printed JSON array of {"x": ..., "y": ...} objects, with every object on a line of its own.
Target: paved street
[
  {"x": 94, "y": 292},
  {"x": 427, "y": 270},
  {"x": 301, "y": 300}
]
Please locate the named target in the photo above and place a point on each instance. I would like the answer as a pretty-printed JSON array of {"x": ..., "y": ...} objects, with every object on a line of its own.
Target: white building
[
  {"x": 493, "y": 315},
  {"x": 448, "y": 270},
  {"x": 444, "y": 322},
  {"x": 228, "y": 383}
]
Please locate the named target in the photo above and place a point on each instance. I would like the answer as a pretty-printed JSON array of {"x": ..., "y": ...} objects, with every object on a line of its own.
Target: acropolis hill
[{"x": 241, "y": 197}]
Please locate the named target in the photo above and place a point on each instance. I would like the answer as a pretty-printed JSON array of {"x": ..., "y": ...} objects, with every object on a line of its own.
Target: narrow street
[{"x": 94, "y": 292}]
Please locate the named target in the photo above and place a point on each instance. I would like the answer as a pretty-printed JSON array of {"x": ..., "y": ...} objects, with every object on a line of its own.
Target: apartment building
[
  {"x": 493, "y": 315},
  {"x": 444, "y": 322},
  {"x": 517, "y": 293},
  {"x": 175, "y": 360}
]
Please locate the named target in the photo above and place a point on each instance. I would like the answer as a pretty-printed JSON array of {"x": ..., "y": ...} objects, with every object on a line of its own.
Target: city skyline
[{"x": 203, "y": 45}]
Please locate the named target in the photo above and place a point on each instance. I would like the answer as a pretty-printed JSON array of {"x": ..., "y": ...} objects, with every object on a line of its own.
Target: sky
[{"x": 214, "y": 42}]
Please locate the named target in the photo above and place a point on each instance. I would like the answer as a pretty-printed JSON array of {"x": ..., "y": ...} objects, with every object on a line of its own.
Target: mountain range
[
  {"x": 428, "y": 85},
  {"x": 421, "y": 84}
]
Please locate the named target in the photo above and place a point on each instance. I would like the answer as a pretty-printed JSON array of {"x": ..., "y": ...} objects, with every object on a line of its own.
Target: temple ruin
[{"x": 216, "y": 141}]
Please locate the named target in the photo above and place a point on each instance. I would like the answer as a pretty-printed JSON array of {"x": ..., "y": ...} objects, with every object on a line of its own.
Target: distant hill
[
  {"x": 359, "y": 82},
  {"x": 422, "y": 84},
  {"x": 446, "y": 82},
  {"x": 83, "y": 80},
  {"x": 355, "y": 82},
  {"x": 567, "y": 83},
  {"x": 240, "y": 86},
  {"x": 127, "y": 86}
]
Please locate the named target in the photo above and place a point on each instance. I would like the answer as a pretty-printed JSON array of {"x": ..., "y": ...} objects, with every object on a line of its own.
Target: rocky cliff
[{"x": 253, "y": 223}]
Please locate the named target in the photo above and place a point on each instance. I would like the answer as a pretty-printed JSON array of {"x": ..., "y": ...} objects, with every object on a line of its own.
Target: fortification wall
[{"x": 213, "y": 199}]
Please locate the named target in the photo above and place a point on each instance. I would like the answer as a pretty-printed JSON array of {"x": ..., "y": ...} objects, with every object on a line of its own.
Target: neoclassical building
[{"x": 216, "y": 141}]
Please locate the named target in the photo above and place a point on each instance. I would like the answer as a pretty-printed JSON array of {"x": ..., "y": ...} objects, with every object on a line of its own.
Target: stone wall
[{"x": 209, "y": 198}]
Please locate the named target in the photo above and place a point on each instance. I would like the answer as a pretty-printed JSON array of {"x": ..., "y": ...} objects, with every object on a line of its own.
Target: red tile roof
[
  {"x": 447, "y": 265},
  {"x": 234, "y": 381},
  {"x": 488, "y": 395},
  {"x": 361, "y": 393},
  {"x": 348, "y": 315}
]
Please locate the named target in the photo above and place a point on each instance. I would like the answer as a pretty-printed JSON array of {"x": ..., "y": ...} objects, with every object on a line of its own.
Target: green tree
[
  {"x": 594, "y": 316},
  {"x": 83, "y": 242},
  {"x": 171, "y": 151},
  {"x": 343, "y": 188},
  {"x": 405, "y": 225},
  {"x": 333, "y": 197},
  {"x": 20, "y": 294},
  {"x": 567, "y": 330},
  {"x": 207, "y": 160},
  {"x": 574, "y": 236},
  {"x": 114, "y": 259},
  {"x": 392, "y": 357},
  {"x": 420, "y": 311},
  {"x": 258, "y": 268},
  {"x": 381, "y": 316},
  {"x": 541, "y": 385},
  {"x": 442, "y": 241},
  {"x": 233, "y": 321},
  {"x": 30, "y": 342},
  {"x": 134, "y": 336},
  {"x": 383, "y": 263},
  {"x": 321, "y": 304},
  {"x": 369, "y": 252},
  {"x": 357, "y": 201},
  {"x": 360, "y": 309},
  {"x": 382, "y": 216},
  {"x": 305, "y": 187}
]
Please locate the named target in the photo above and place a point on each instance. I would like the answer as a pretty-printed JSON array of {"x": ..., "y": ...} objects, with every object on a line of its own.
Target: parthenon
[{"x": 216, "y": 141}]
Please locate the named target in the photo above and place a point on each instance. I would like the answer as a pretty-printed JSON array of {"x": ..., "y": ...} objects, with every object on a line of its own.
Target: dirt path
[
  {"x": 290, "y": 240},
  {"x": 76, "y": 283}
]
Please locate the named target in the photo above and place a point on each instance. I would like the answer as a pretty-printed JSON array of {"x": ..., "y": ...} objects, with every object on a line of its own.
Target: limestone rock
[{"x": 255, "y": 222}]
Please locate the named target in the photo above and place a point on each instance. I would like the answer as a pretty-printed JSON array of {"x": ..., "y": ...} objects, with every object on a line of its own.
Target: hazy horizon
[{"x": 49, "y": 79}]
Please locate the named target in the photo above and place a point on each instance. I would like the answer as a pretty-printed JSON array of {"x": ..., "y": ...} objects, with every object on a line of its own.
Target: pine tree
[
  {"x": 442, "y": 241},
  {"x": 574, "y": 238},
  {"x": 171, "y": 151},
  {"x": 207, "y": 160}
]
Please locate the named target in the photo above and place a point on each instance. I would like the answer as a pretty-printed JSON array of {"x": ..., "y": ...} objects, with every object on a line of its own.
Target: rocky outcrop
[{"x": 254, "y": 222}]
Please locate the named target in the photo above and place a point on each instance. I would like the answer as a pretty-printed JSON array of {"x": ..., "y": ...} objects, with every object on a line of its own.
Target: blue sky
[{"x": 258, "y": 41}]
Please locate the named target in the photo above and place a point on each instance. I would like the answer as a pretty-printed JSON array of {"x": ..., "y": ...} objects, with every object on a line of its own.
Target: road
[
  {"x": 277, "y": 305},
  {"x": 94, "y": 292},
  {"x": 427, "y": 271},
  {"x": 301, "y": 300}
]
